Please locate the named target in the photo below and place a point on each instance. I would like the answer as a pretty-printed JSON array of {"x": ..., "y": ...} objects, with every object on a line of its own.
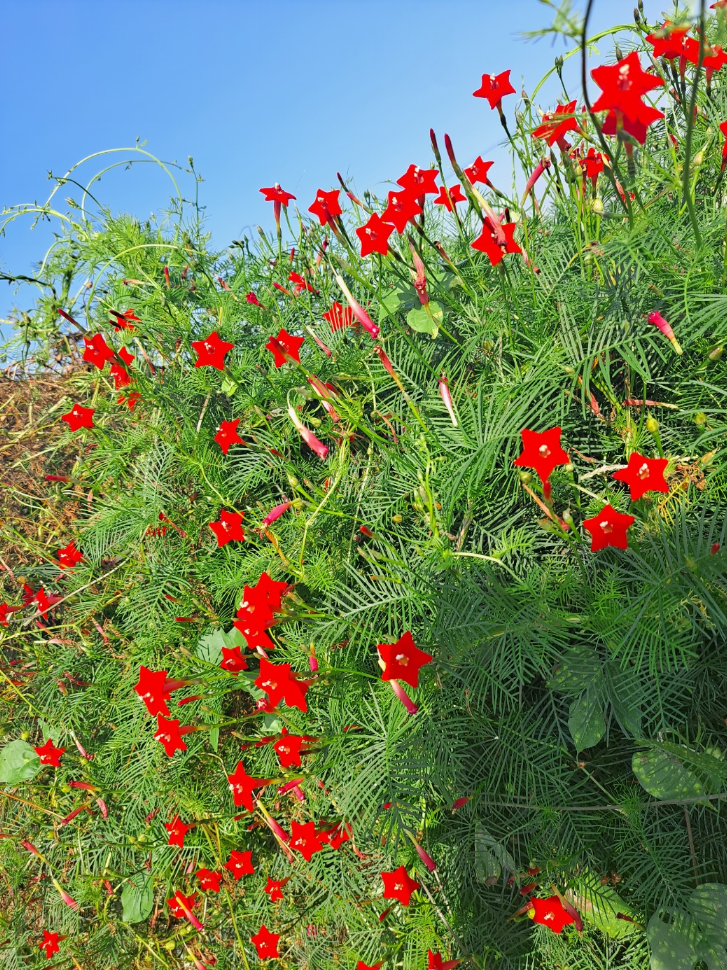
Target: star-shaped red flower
[
  {"x": 326, "y": 206},
  {"x": 209, "y": 880},
  {"x": 278, "y": 683},
  {"x": 179, "y": 903},
  {"x": 151, "y": 690},
  {"x": 365, "y": 966},
  {"x": 608, "y": 528},
  {"x": 49, "y": 755},
  {"x": 549, "y": 912},
  {"x": 555, "y": 126},
  {"x": 266, "y": 943},
  {"x": 69, "y": 556},
  {"x": 288, "y": 750},
  {"x": 398, "y": 885},
  {"x": 242, "y": 786},
  {"x": 419, "y": 181},
  {"x": 50, "y": 943},
  {"x": 494, "y": 87},
  {"x": 339, "y": 316},
  {"x": 79, "y": 417},
  {"x": 623, "y": 85},
  {"x": 253, "y": 629},
  {"x": 228, "y": 528},
  {"x": 211, "y": 351},
  {"x": 668, "y": 40},
  {"x": 97, "y": 351},
  {"x": 636, "y": 129},
  {"x": 169, "y": 735},
  {"x": 274, "y": 889},
  {"x": 486, "y": 242},
  {"x": 177, "y": 830},
  {"x": 240, "y": 864},
  {"x": 542, "y": 452},
  {"x": 374, "y": 236},
  {"x": 267, "y": 589},
  {"x": 284, "y": 347},
  {"x": 275, "y": 194},
  {"x": 232, "y": 660},
  {"x": 304, "y": 839},
  {"x": 643, "y": 475},
  {"x": 403, "y": 660},
  {"x": 401, "y": 209},
  {"x": 227, "y": 435},
  {"x": 437, "y": 963},
  {"x": 121, "y": 376},
  {"x": 123, "y": 320},
  {"x": 450, "y": 197},
  {"x": 477, "y": 171}
]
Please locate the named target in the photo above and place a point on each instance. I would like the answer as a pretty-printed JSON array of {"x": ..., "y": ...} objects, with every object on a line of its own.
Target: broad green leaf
[
  {"x": 210, "y": 647},
  {"x": 673, "y": 945},
  {"x": 623, "y": 691},
  {"x": 664, "y": 776},
  {"x": 601, "y": 905},
  {"x": 490, "y": 856},
  {"x": 426, "y": 319},
  {"x": 18, "y": 762},
  {"x": 402, "y": 297},
  {"x": 233, "y": 639},
  {"x": 229, "y": 386},
  {"x": 214, "y": 738},
  {"x": 586, "y": 722},
  {"x": 708, "y": 906},
  {"x": 579, "y": 669},
  {"x": 137, "y": 898}
]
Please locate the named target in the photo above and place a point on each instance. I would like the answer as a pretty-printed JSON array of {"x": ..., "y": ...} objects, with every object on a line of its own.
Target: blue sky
[{"x": 257, "y": 91}]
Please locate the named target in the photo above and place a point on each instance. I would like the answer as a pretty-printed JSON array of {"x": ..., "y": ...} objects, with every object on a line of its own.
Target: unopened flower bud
[
  {"x": 652, "y": 424},
  {"x": 397, "y": 518},
  {"x": 297, "y": 503},
  {"x": 698, "y": 159},
  {"x": 568, "y": 517},
  {"x": 716, "y": 353},
  {"x": 700, "y": 418},
  {"x": 597, "y": 206},
  {"x": 525, "y": 477},
  {"x": 293, "y": 481}
]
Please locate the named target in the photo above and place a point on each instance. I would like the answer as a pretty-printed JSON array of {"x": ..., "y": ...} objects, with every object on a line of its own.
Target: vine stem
[{"x": 686, "y": 191}]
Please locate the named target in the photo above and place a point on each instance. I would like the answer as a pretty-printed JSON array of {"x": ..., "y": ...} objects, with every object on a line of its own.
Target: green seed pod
[
  {"x": 525, "y": 477},
  {"x": 597, "y": 206},
  {"x": 397, "y": 518},
  {"x": 652, "y": 424},
  {"x": 716, "y": 353},
  {"x": 700, "y": 419}
]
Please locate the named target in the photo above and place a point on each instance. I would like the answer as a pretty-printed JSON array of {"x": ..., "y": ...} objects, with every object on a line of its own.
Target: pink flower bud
[
  {"x": 425, "y": 857},
  {"x": 411, "y": 707},
  {"x": 307, "y": 435},
  {"x": 281, "y": 834},
  {"x": 420, "y": 283},
  {"x": 30, "y": 847},
  {"x": 275, "y": 513},
  {"x": 102, "y": 806},
  {"x": 447, "y": 398},
  {"x": 64, "y": 895},
  {"x": 656, "y": 318},
  {"x": 326, "y": 350},
  {"x": 188, "y": 912},
  {"x": 541, "y": 167},
  {"x": 460, "y": 802},
  {"x": 358, "y": 311},
  {"x": 288, "y": 786}
]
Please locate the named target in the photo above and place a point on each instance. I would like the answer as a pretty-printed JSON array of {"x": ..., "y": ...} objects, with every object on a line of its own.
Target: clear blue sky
[{"x": 257, "y": 91}]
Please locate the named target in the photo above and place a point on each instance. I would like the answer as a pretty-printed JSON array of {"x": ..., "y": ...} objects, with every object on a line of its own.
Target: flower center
[
  {"x": 269, "y": 684},
  {"x": 284, "y": 749},
  {"x": 544, "y": 451},
  {"x": 643, "y": 472},
  {"x": 402, "y": 659},
  {"x": 624, "y": 81},
  {"x": 607, "y": 526},
  {"x": 398, "y": 887}
]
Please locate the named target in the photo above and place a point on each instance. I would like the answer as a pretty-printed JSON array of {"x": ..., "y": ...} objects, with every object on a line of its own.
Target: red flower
[
  {"x": 228, "y": 528},
  {"x": 4, "y": 610},
  {"x": 232, "y": 660},
  {"x": 278, "y": 683},
  {"x": 437, "y": 963},
  {"x": 326, "y": 206},
  {"x": 592, "y": 163},
  {"x": 486, "y": 242},
  {"x": 266, "y": 943},
  {"x": 154, "y": 690},
  {"x": 304, "y": 839},
  {"x": 242, "y": 786},
  {"x": 97, "y": 351},
  {"x": 401, "y": 209},
  {"x": 252, "y": 298},
  {"x": 227, "y": 435},
  {"x": 284, "y": 347},
  {"x": 336, "y": 837},
  {"x": 419, "y": 181},
  {"x": 69, "y": 556},
  {"x": 623, "y": 85},
  {"x": 274, "y": 889},
  {"x": 374, "y": 236},
  {"x": 608, "y": 528},
  {"x": 636, "y": 129},
  {"x": 288, "y": 750},
  {"x": 301, "y": 283},
  {"x": 266, "y": 591},
  {"x": 398, "y": 885},
  {"x": 276, "y": 194},
  {"x": 49, "y": 755},
  {"x": 494, "y": 87},
  {"x": 403, "y": 660},
  {"x": 211, "y": 351},
  {"x": 339, "y": 316},
  {"x": 253, "y": 629},
  {"x": 130, "y": 401},
  {"x": 181, "y": 905},
  {"x": 209, "y": 880},
  {"x": 240, "y": 864},
  {"x": 121, "y": 376},
  {"x": 477, "y": 172},
  {"x": 177, "y": 830},
  {"x": 542, "y": 452},
  {"x": 668, "y": 40},
  {"x": 123, "y": 320},
  {"x": 555, "y": 126},
  {"x": 723, "y": 129},
  {"x": 49, "y": 944},
  {"x": 79, "y": 417},
  {"x": 364, "y": 966},
  {"x": 549, "y": 912},
  {"x": 275, "y": 513},
  {"x": 643, "y": 475},
  {"x": 450, "y": 197},
  {"x": 169, "y": 735}
]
